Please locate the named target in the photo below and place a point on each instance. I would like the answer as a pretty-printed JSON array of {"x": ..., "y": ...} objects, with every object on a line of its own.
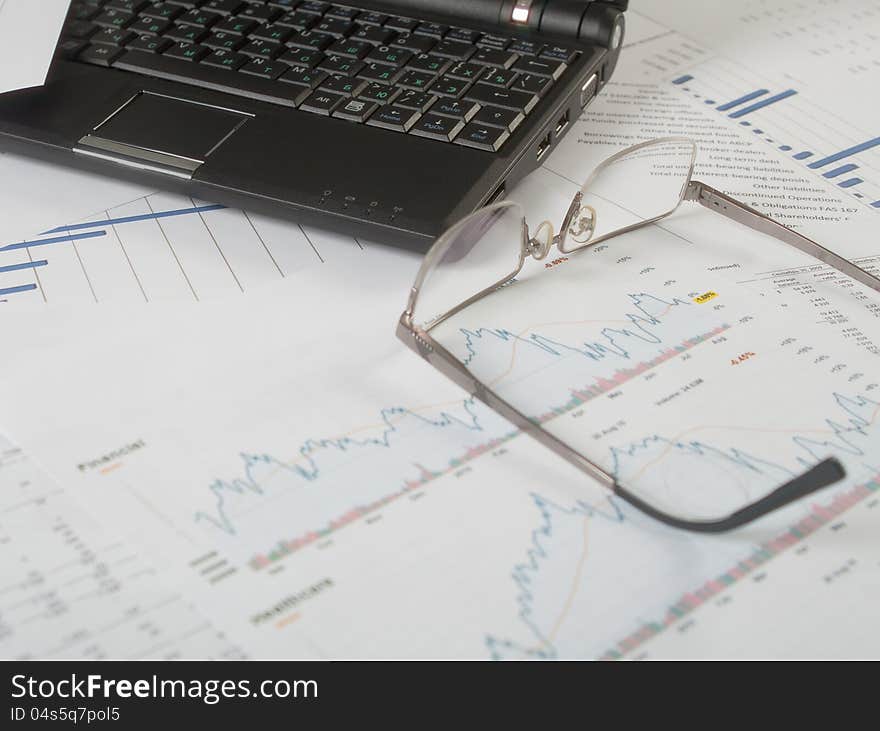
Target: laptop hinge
[{"x": 599, "y": 22}]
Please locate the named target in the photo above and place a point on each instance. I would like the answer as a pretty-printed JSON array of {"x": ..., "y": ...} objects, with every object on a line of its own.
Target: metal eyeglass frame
[{"x": 418, "y": 338}]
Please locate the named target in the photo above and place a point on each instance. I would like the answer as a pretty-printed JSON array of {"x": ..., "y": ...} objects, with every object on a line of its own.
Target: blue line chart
[
  {"x": 854, "y": 437},
  {"x": 257, "y": 468},
  {"x": 611, "y": 341},
  {"x": 538, "y": 553},
  {"x": 473, "y": 423}
]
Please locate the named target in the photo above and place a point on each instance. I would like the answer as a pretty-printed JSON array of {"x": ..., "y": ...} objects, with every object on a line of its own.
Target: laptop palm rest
[{"x": 163, "y": 134}]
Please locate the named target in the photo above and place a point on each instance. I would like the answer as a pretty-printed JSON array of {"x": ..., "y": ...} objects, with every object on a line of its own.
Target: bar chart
[
  {"x": 160, "y": 247},
  {"x": 826, "y": 143}
]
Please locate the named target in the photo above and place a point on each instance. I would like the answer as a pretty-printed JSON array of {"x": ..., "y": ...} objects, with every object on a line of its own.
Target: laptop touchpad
[{"x": 162, "y": 133}]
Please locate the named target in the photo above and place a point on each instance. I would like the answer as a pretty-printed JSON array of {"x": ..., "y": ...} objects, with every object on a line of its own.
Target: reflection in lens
[{"x": 482, "y": 251}]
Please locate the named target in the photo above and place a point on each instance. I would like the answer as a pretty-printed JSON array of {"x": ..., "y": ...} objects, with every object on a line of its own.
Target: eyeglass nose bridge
[{"x": 539, "y": 247}]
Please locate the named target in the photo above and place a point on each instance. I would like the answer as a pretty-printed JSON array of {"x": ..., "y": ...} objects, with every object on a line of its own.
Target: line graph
[
  {"x": 341, "y": 465},
  {"x": 852, "y": 433},
  {"x": 160, "y": 247}
]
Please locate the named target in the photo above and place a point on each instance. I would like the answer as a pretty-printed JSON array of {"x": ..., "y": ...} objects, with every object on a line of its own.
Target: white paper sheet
[
  {"x": 28, "y": 35},
  {"x": 368, "y": 508}
]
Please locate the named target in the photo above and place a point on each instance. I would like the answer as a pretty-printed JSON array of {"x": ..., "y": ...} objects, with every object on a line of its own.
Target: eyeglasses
[{"x": 481, "y": 257}]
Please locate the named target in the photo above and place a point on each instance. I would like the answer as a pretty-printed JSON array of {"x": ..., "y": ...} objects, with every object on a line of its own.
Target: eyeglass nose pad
[
  {"x": 540, "y": 243},
  {"x": 582, "y": 225}
]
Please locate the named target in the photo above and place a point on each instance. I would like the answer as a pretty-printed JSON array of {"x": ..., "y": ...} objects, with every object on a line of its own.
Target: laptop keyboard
[{"x": 440, "y": 82}]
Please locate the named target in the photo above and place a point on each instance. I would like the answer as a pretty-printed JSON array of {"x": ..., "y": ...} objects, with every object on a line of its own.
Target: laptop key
[
  {"x": 340, "y": 11},
  {"x": 297, "y": 20},
  {"x": 397, "y": 118},
  {"x": 413, "y": 43},
  {"x": 415, "y": 100},
  {"x": 263, "y": 68},
  {"x": 186, "y": 33},
  {"x": 492, "y": 57},
  {"x": 284, "y": 4},
  {"x": 70, "y": 48},
  {"x": 112, "y": 37},
  {"x": 148, "y": 44},
  {"x": 435, "y": 30},
  {"x": 379, "y": 93},
  {"x": 559, "y": 53},
  {"x": 418, "y": 80},
  {"x": 222, "y": 7},
  {"x": 540, "y": 67},
  {"x": 466, "y": 71},
  {"x": 299, "y": 57},
  {"x": 493, "y": 96},
  {"x": 129, "y": 6},
  {"x": 305, "y": 77},
  {"x": 428, "y": 63},
  {"x": 464, "y": 35},
  {"x": 526, "y": 48},
  {"x": 351, "y": 49},
  {"x": 532, "y": 84},
  {"x": 226, "y": 41},
  {"x": 454, "y": 49},
  {"x": 344, "y": 85},
  {"x": 241, "y": 26},
  {"x": 261, "y": 48},
  {"x": 372, "y": 34},
  {"x": 260, "y": 13},
  {"x": 309, "y": 39},
  {"x": 100, "y": 55},
  {"x": 508, "y": 119},
  {"x": 448, "y": 86},
  {"x": 499, "y": 43},
  {"x": 222, "y": 59},
  {"x": 322, "y": 102},
  {"x": 498, "y": 77},
  {"x": 455, "y": 108},
  {"x": 162, "y": 11},
  {"x": 113, "y": 19},
  {"x": 387, "y": 55},
  {"x": 404, "y": 25},
  {"x": 482, "y": 137},
  {"x": 370, "y": 18},
  {"x": 436, "y": 127},
  {"x": 313, "y": 6},
  {"x": 199, "y": 18},
  {"x": 149, "y": 26},
  {"x": 334, "y": 27},
  {"x": 380, "y": 73},
  {"x": 356, "y": 110},
  {"x": 341, "y": 66},
  {"x": 186, "y": 51},
  {"x": 272, "y": 32}
]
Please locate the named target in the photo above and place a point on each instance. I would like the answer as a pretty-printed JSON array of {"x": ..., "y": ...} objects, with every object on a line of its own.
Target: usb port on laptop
[{"x": 544, "y": 145}]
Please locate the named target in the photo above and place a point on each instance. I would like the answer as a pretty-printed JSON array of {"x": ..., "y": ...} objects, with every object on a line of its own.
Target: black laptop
[{"x": 388, "y": 121}]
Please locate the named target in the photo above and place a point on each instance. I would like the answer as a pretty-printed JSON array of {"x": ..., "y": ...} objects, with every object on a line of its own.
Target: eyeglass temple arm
[
  {"x": 715, "y": 200},
  {"x": 825, "y": 473}
]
